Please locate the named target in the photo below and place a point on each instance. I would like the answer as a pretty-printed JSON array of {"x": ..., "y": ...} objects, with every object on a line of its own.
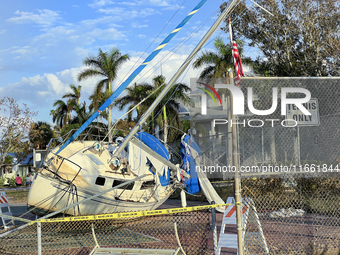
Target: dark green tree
[
  {"x": 40, "y": 135},
  {"x": 301, "y": 38}
]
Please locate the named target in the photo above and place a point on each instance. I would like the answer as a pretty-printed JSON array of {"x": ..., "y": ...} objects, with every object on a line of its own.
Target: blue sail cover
[
  {"x": 153, "y": 143},
  {"x": 189, "y": 163},
  {"x": 158, "y": 147}
]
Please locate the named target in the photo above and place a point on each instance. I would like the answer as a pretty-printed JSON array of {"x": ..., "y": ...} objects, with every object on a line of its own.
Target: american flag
[{"x": 237, "y": 60}]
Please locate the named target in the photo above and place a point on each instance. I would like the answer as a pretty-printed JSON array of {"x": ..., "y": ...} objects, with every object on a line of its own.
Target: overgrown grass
[{"x": 17, "y": 196}]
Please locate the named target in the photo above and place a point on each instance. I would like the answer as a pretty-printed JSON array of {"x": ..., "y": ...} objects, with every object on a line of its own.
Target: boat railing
[{"x": 62, "y": 160}]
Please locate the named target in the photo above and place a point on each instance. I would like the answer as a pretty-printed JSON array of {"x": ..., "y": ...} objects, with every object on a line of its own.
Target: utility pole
[{"x": 237, "y": 177}]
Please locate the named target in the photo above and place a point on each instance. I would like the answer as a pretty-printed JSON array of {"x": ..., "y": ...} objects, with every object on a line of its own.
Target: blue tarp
[
  {"x": 189, "y": 164},
  {"x": 158, "y": 147}
]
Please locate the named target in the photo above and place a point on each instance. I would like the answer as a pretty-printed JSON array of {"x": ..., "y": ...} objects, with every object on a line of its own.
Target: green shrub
[
  {"x": 2, "y": 182},
  {"x": 11, "y": 182}
]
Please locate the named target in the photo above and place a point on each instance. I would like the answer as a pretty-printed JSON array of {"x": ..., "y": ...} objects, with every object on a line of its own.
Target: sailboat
[{"x": 133, "y": 173}]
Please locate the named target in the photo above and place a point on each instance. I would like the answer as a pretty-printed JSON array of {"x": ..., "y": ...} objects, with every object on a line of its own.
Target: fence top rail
[
  {"x": 290, "y": 78},
  {"x": 130, "y": 214}
]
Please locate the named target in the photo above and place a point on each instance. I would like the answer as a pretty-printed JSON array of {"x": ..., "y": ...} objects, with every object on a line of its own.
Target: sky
[{"x": 43, "y": 43}]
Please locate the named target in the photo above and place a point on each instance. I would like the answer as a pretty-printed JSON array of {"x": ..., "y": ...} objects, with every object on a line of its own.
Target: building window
[{"x": 100, "y": 181}]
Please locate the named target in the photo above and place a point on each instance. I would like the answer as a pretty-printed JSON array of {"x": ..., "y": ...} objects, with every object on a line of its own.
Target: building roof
[{"x": 28, "y": 160}]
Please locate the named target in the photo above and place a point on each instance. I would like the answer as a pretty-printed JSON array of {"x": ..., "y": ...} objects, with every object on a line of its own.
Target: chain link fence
[
  {"x": 291, "y": 174},
  {"x": 289, "y": 178},
  {"x": 80, "y": 237},
  {"x": 298, "y": 214}
]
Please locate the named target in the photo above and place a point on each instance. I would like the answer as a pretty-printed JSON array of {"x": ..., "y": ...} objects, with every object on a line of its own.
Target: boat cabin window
[
  {"x": 148, "y": 184},
  {"x": 126, "y": 186},
  {"x": 100, "y": 181}
]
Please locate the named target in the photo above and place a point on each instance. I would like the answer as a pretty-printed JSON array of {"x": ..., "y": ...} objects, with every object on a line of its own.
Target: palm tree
[
  {"x": 104, "y": 65},
  {"x": 216, "y": 64},
  {"x": 169, "y": 105},
  {"x": 82, "y": 114},
  {"x": 134, "y": 95},
  {"x": 62, "y": 114},
  {"x": 75, "y": 94}
]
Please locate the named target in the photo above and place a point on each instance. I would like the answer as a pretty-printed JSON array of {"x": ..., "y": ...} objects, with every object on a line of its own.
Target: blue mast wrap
[{"x": 123, "y": 86}]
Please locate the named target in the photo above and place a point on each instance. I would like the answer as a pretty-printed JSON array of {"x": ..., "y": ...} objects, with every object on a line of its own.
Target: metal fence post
[
  {"x": 237, "y": 177},
  {"x": 214, "y": 227},
  {"x": 39, "y": 238}
]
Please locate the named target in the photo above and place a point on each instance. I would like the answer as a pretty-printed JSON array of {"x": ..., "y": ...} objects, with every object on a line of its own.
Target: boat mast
[
  {"x": 126, "y": 83},
  {"x": 175, "y": 77}
]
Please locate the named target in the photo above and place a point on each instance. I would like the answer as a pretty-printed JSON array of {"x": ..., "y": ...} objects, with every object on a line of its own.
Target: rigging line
[
  {"x": 177, "y": 86},
  {"x": 127, "y": 82},
  {"x": 220, "y": 32},
  {"x": 262, "y": 8},
  {"x": 176, "y": 48},
  {"x": 152, "y": 42},
  {"x": 116, "y": 122},
  {"x": 159, "y": 112},
  {"x": 183, "y": 75}
]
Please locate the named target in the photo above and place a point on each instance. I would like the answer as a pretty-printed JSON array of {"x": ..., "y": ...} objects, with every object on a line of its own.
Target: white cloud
[
  {"x": 138, "y": 25},
  {"x": 43, "y": 18},
  {"x": 114, "y": 11},
  {"x": 81, "y": 51},
  {"x": 128, "y": 3},
  {"x": 41, "y": 91},
  {"x": 153, "y": 2},
  {"x": 103, "y": 20},
  {"x": 169, "y": 61},
  {"x": 100, "y": 3},
  {"x": 30, "y": 89},
  {"x": 141, "y": 36},
  {"x": 159, "y": 2},
  {"x": 107, "y": 34},
  {"x": 173, "y": 7},
  {"x": 129, "y": 14},
  {"x": 148, "y": 11},
  {"x": 2, "y": 32},
  {"x": 21, "y": 50}
]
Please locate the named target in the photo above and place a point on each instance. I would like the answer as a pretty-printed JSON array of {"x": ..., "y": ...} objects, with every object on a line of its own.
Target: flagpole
[{"x": 237, "y": 178}]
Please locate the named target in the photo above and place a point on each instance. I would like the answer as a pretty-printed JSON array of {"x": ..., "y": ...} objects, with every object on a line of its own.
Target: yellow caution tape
[{"x": 130, "y": 214}]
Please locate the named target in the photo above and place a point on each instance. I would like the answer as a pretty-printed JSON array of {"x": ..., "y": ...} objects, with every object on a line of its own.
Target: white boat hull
[{"x": 47, "y": 195}]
